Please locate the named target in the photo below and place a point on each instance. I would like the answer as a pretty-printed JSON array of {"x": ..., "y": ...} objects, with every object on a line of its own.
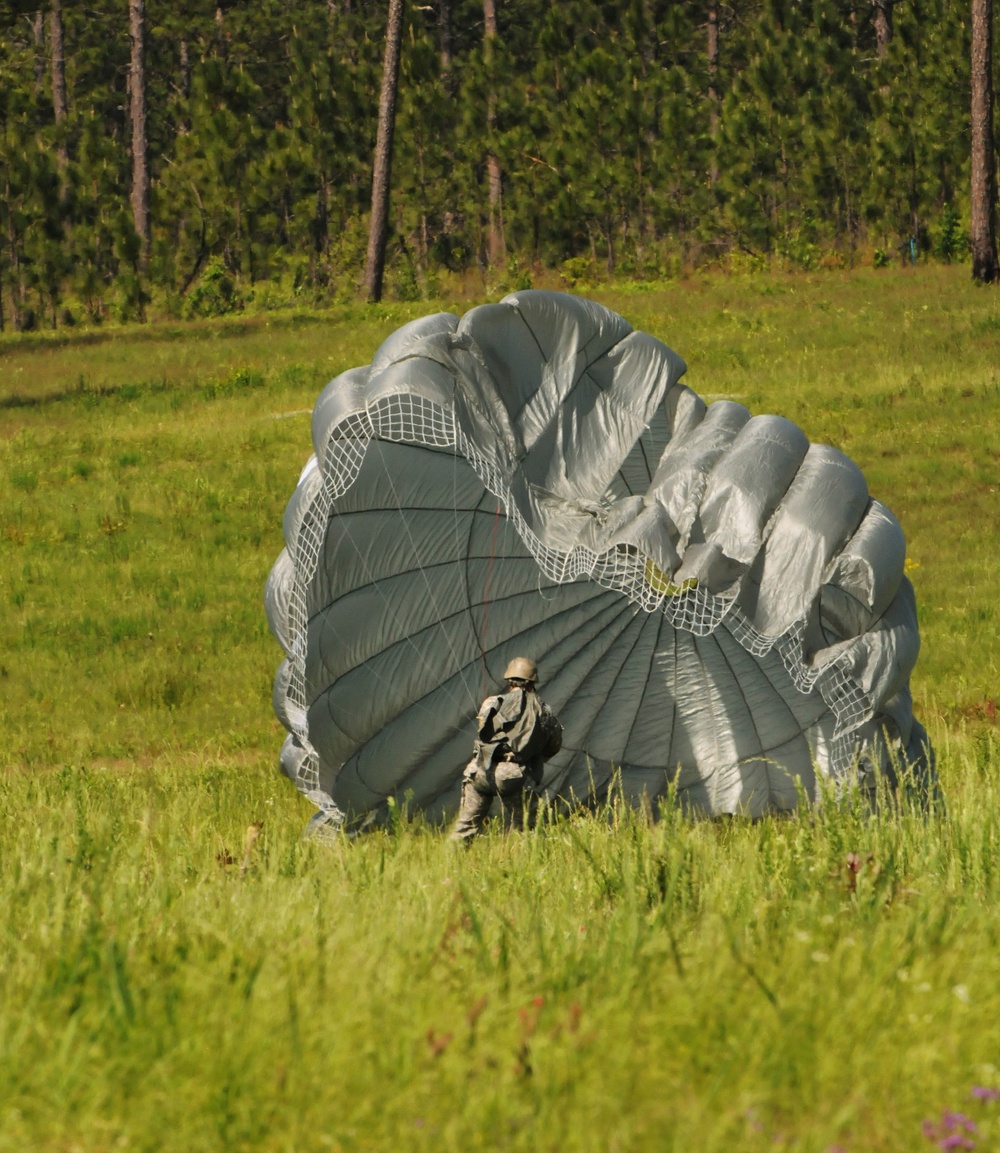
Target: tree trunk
[
  {"x": 184, "y": 60},
  {"x": 137, "y": 112},
  {"x": 713, "y": 92},
  {"x": 220, "y": 31},
  {"x": 17, "y": 284},
  {"x": 378, "y": 226},
  {"x": 648, "y": 44},
  {"x": 883, "y": 26},
  {"x": 985, "y": 268},
  {"x": 183, "y": 86},
  {"x": 58, "y": 78},
  {"x": 38, "y": 39},
  {"x": 323, "y": 215},
  {"x": 497, "y": 246},
  {"x": 444, "y": 20}
]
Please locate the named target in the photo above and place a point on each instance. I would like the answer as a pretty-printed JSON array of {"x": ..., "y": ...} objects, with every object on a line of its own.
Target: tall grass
[
  {"x": 178, "y": 970},
  {"x": 171, "y": 982}
]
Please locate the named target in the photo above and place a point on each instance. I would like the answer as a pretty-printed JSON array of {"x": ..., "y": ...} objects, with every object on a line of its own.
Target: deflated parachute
[{"x": 711, "y": 600}]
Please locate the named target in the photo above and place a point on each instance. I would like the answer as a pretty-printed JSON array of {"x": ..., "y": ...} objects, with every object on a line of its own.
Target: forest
[{"x": 212, "y": 156}]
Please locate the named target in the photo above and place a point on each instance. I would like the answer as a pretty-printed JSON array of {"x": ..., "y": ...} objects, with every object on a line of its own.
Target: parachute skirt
[{"x": 714, "y": 603}]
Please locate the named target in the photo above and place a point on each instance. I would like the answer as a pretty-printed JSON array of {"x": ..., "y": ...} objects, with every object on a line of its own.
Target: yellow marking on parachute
[{"x": 660, "y": 582}]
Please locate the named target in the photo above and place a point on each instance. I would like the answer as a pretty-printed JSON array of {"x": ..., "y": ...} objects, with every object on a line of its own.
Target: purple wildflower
[
  {"x": 958, "y": 1121},
  {"x": 982, "y": 1093},
  {"x": 951, "y": 1132}
]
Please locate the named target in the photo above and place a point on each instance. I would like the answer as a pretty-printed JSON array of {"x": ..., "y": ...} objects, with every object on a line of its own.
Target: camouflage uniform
[{"x": 517, "y": 732}]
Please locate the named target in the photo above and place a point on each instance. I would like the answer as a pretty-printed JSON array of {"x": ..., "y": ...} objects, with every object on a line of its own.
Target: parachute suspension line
[
  {"x": 427, "y": 583},
  {"x": 486, "y": 593}
]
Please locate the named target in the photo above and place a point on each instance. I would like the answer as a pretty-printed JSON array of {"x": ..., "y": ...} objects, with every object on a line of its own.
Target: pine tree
[
  {"x": 382, "y": 168},
  {"x": 137, "y": 118},
  {"x": 712, "y": 63},
  {"x": 497, "y": 244},
  {"x": 919, "y": 129},
  {"x": 985, "y": 268},
  {"x": 623, "y": 136},
  {"x": 58, "y": 65}
]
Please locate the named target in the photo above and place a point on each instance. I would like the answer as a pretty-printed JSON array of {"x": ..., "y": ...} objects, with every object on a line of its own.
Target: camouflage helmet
[{"x": 521, "y": 669}]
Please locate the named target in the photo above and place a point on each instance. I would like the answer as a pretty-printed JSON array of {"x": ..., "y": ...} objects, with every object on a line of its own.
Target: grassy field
[{"x": 170, "y": 979}]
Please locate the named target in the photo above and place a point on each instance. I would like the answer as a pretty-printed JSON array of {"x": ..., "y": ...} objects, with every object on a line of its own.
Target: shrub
[
  {"x": 950, "y": 239},
  {"x": 214, "y": 294},
  {"x": 578, "y": 271}
]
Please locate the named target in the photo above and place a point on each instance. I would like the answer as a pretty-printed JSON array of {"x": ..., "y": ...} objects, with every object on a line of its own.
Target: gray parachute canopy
[{"x": 710, "y": 599}]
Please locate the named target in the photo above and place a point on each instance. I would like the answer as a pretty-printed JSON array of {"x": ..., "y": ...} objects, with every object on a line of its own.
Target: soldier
[{"x": 517, "y": 732}]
